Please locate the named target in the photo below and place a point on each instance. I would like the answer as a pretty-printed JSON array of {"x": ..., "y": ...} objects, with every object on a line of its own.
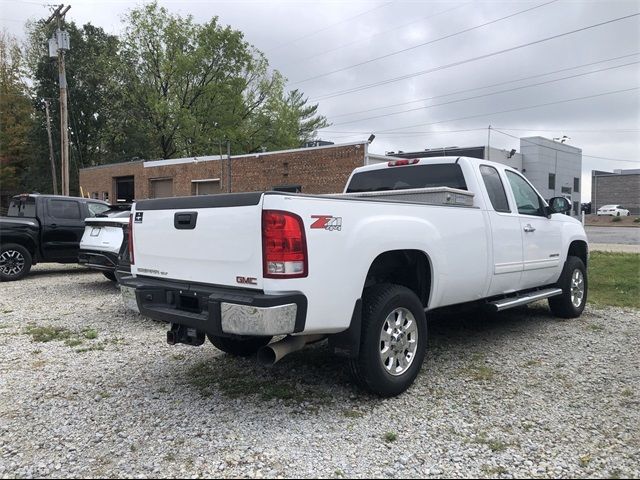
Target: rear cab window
[
  {"x": 22, "y": 206},
  {"x": 495, "y": 189},
  {"x": 407, "y": 177}
]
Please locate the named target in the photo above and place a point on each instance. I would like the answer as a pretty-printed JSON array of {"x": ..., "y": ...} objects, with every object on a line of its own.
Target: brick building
[
  {"x": 316, "y": 169},
  {"x": 620, "y": 187}
]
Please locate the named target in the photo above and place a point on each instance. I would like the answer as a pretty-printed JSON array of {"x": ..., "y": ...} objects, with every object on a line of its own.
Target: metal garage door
[{"x": 161, "y": 187}]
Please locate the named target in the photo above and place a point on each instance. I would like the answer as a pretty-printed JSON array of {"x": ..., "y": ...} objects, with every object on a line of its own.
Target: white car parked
[
  {"x": 615, "y": 210},
  {"x": 102, "y": 240}
]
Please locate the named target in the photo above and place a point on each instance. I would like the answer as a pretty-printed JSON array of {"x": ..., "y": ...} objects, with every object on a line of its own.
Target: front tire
[
  {"x": 393, "y": 341},
  {"x": 240, "y": 347},
  {"x": 574, "y": 285},
  {"x": 15, "y": 262}
]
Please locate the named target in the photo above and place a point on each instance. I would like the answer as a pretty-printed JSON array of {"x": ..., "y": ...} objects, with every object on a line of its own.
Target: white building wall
[{"x": 502, "y": 156}]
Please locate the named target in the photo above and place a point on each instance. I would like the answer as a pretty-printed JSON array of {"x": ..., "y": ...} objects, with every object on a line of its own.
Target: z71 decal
[{"x": 327, "y": 222}]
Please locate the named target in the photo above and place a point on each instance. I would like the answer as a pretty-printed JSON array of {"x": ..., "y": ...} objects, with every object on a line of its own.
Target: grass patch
[
  {"x": 480, "y": 373},
  {"x": 492, "y": 471},
  {"x": 616, "y": 219},
  {"x": 98, "y": 347},
  {"x": 493, "y": 444},
  {"x": 89, "y": 334},
  {"x": 48, "y": 334},
  {"x": 209, "y": 377},
  {"x": 614, "y": 279},
  {"x": 70, "y": 338},
  {"x": 637, "y": 220},
  {"x": 390, "y": 437},
  {"x": 627, "y": 392}
]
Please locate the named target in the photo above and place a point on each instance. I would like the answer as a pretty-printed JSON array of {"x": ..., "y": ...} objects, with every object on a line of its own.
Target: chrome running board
[{"x": 505, "y": 303}]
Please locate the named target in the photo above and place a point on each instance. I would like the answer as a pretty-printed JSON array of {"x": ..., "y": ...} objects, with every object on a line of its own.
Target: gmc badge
[{"x": 247, "y": 280}]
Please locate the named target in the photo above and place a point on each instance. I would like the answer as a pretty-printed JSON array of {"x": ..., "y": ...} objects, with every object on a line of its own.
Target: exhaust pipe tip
[{"x": 267, "y": 357}]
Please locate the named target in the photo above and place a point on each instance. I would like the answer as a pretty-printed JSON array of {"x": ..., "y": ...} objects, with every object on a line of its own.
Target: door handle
[
  {"x": 53, "y": 225},
  {"x": 528, "y": 228}
]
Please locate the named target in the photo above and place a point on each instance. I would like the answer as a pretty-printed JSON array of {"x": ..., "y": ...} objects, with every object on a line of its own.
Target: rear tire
[
  {"x": 240, "y": 347},
  {"x": 15, "y": 262},
  {"x": 111, "y": 276},
  {"x": 574, "y": 285},
  {"x": 393, "y": 341}
]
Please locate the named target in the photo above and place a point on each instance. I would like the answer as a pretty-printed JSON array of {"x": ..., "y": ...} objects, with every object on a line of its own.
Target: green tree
[
  {"x": 189, "y": 86},
  {"x": 90, "y": 64},
  {"x": 16, "y": 117}
]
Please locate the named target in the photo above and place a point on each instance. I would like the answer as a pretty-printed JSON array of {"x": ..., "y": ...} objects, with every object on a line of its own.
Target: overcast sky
[{"x": 307, "y": 40}]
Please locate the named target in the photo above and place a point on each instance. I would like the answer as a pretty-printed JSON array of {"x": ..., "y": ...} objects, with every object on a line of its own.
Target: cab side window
[
  {"x": 527, "y": 200},
  {"x": 65, "y": 209},
  {"x": 495, "y": 189}
]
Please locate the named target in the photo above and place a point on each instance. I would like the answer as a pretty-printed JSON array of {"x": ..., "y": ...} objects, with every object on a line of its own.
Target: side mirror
[{"x": 559, "y": 205}]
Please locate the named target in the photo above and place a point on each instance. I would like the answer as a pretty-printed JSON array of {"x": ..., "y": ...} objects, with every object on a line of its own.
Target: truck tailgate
[
  {"x": 213, "y": 239},
  {"x": 102, "y": 236}
]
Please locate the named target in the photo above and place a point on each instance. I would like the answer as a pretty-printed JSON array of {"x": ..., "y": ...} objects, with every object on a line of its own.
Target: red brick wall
[{"x": 318, "y": 170}]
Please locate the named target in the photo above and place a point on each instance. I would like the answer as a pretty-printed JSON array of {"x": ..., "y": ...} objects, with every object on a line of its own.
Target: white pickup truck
[{"x": 361, "y": 268}]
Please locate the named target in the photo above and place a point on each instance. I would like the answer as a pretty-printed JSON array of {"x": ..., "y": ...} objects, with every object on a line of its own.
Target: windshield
[
  {"x": 402, "y": 178},
  {"x": 22, "y": 206}
]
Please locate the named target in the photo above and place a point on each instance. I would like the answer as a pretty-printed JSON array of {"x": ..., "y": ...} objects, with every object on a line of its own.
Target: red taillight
[
  {"x": 284, "y": 246},
  {"x": 399, "y": 163},
  {"x": 130, "y": 228}
]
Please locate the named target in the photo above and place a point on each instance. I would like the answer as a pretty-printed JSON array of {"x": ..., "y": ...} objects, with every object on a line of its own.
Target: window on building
[
  {"x": 66, "y": 209},
  {"x": 124, "y": 188},
  {"x": 495, "y": 188},
  {"x": 161, "y": 187},
  {"x": 576, "y": 184},
  {"x": 576, "y": 208},
  {"x": 105, "y": 196},
  {"x": 205, "y": 187},
  {"x": 552, "y": 181},
  {"x": 94, "y": 195},
  {"x": 528, "y": 201}
]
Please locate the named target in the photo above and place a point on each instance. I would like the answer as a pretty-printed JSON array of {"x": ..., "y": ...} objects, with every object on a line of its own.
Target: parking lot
[{"x": 88, "y": 389}]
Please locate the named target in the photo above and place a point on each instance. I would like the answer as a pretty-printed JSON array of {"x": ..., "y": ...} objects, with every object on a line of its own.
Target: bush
[
  {"x": 616, "y": 219},
  {"x": 637, "y": 220}
]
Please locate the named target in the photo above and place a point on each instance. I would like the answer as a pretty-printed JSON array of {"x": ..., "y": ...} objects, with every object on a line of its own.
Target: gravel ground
[{"x": 520, "y": 394}]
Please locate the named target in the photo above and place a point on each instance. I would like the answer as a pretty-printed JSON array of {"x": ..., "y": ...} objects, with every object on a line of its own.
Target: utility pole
[
  {"x": 229, "y": 165},
  {"x": 57, "y": 45},
  {"x": 489, "y": 144},
  {"x": 54, "y": 175}
]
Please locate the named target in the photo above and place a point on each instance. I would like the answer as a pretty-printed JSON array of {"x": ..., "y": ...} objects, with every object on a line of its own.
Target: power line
[
  {"x": 529, "y": 107},
  {"x": 310, "y": 34},
  {"x": 343, "y": 46},
  {"x": 486, "y": 94},
  {"x": 611, "y": 130},
  {"x": 469, "y": 60},
  {"x": 435, "y": 132},
  {"x": 397, "y": 52},
  {"x": 560, "y": 150},
  {"x": 485, "y": 86}
]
